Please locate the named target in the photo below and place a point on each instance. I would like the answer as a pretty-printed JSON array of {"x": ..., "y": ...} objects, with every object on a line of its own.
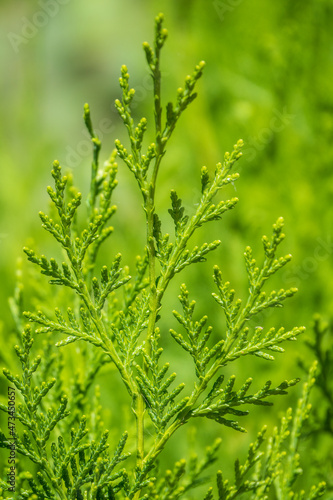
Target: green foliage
[
  {"x": 116, "y": 315},
  {"x": 321, "y": 346},
  {"x": 278, "y": 467},
  {"x": 320, "y": 424},
  {"x": 71, "y": 461}
]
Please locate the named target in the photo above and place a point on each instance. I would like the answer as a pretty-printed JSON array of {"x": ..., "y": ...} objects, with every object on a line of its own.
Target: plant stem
[
  {"x": 154, "y": 302},
  {"x": 139, "y": 412},
  {"x": 100, "y": 327}
]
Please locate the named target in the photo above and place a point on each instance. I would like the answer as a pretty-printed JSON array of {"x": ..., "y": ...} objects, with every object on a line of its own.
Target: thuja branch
[
  {"x": 172, "y": 257},
  {"x": 208, "y": 361},
  {"x": 118, "y": 314},
  {"x": 139, "y": 165},
  {"x": 73, "y": 273}
]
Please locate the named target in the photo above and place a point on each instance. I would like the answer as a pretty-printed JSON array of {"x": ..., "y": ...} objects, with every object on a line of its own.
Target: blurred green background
[{"x": 267, "y": 81}]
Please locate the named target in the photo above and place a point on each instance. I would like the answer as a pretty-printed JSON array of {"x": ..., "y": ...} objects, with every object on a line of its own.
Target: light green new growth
[{"x": 70, "y": 449}]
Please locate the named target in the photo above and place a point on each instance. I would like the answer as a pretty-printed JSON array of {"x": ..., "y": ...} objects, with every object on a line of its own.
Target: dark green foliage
[{"x": 321, "y": 346}]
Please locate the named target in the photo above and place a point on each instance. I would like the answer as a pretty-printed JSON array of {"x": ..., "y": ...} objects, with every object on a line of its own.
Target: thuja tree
[{"x": 62, "y": 448}]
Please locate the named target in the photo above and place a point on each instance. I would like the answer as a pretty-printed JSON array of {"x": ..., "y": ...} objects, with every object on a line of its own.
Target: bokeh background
[{"x": 268, "y": 80}]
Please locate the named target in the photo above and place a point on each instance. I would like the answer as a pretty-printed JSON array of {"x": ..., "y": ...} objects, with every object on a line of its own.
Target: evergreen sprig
[
  {"x": 236, "y": 315},
  {"x": 320, "y": 344},
  {"x": 66, "y": 465},
  {"x": 129, "y": 326},
  {"x": 320, "y": 424},
  {"x": 275, "y": 470},
  {"x": 185, "y": 476},
  {"x": 155, "y": 386},
  {"x": 115, "y": 313},
  {"x": 174, "y": 257}
]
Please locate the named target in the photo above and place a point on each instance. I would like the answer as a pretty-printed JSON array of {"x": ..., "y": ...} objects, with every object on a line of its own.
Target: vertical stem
[
  {"x": 139, "y": 410},
  {"x": 157, "y": 97},
  {"x": 153, "y": 302}
]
